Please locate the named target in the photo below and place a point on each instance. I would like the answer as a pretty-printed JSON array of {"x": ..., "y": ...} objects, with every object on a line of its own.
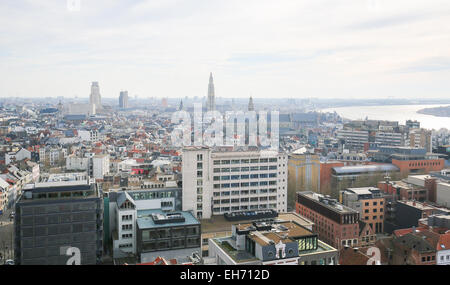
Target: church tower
[{"x": 211, "y": 103}]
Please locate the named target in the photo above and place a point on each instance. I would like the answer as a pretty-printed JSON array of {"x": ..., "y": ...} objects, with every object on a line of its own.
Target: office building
[
  {"x": 216, "y": 182},
  {"x": 95, "y": 98},
  {"x": 54, "y": 216},
  {"x": 173, "y": 235},
  {"x": 123, "y": 100}
]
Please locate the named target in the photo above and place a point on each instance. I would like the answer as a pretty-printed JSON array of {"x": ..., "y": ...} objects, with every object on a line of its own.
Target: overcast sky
[{"x": 166, "y": 48}]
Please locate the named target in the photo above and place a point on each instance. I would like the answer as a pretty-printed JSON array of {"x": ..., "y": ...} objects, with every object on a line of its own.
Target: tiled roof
[
  {"x": 352, "y": 256},
  {"x": 444, "y": 242}
]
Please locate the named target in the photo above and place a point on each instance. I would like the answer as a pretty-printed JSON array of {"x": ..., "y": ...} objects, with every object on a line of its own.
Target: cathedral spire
[{"x": 211, "y": 103}]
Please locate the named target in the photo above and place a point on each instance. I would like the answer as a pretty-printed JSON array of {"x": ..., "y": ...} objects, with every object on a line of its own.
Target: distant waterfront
[{"x": 399, "y": 113}]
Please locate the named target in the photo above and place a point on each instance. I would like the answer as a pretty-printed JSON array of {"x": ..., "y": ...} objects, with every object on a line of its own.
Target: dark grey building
[
  {"x": 171, "y": 235},
  {"x": 54, "y": 217}
]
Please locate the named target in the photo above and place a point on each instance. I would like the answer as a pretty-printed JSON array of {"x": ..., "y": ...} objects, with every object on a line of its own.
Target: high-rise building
[
  {"x": 216, "y": 182},
  {"x": 95, "y": 98},
  {"x": 55, "y": 219},
  {"x": 211, "y": 103},
  {"x": 123, "y": 100},
  {"x": 251, "y": 107}
]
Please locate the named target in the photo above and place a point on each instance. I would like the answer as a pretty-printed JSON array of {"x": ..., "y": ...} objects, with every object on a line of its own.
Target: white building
[
  {"x": 17, "y": 156},
  {"x": 91, "y": 135},
  {"x": 217, "y": 182},
  {"x": 443, "y": 194},
  {"x": 95, "y": 99},
  {"x": 77, "y": 163},
  {"x": 354, "y": 139},
  {"x": 125, "y": 224},
  {"x": 124, "y": 207},
  {"x": 100, "y": 166}
]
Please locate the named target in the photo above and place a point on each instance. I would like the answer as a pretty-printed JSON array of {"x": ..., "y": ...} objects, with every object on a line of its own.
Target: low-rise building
[
  {"x": 336, "y": 224},
  {"x": 271, "y": 242},
  {"x": 369, "y": 202}
]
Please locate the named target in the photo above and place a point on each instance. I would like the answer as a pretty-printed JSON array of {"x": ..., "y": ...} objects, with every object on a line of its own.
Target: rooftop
[
  {"x": 331, "y": 204},
  {"x": 220, "y": 224},
  {"x": 145, "y": 219},
  {"x": 365, "y": 168}
]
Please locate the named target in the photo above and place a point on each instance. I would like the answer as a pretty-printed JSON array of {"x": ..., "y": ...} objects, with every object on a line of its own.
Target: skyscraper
[
  {"x": 251, "y": 107},
  {"x": 95, "y": 98},
  {"x": 123, "y": 99},
  {"x": 211, "y": 103}
]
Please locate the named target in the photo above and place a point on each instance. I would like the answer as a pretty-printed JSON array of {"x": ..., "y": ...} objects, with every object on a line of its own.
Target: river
[{"x": 399, "y": 113}]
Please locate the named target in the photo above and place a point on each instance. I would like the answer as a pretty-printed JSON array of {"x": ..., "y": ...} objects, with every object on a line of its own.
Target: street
[{"x": 6, "y": 237}]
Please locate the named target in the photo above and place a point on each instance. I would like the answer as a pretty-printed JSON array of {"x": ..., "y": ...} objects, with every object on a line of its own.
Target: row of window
[
  {"x": 240, "y": 208},
  {"x": 152, "y": 195},
  {"x": 417, "y": 164},
  {"x": 243, "y": 200},
  {"x": 127, "y": 227},
  {"x": 375, "y": 203},
  {"x": 127, "y": 217},
  {"x": 244, "y": 184},
  {"x": 244, "y": 169},
  {"x": 58, "y": 229},
  {"x": 374, "y": 210},
  {"x": 373, "y": 217},
  {"x": 238, "y": 161},
  {"x": 245, "y": 176},
  {"x": 245, "y": 192}
]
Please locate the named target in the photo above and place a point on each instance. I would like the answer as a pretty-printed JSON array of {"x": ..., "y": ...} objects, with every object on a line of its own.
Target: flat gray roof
[{"x": 145, "y": 220}]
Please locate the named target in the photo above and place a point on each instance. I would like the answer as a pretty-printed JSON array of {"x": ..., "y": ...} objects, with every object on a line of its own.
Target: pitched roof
[
  {"x": 444, "y": 241},
  {"x": 352, "y": 256}
]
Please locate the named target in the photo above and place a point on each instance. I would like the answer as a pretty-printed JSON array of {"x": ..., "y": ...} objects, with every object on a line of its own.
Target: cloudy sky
[{"x": 263, "y": 48}]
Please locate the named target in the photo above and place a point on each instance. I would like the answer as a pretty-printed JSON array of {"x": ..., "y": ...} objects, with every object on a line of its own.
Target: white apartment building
[
  {"x": 124, "y": 216},
  {"x": 17, "y": 156},
  {"x": 354, "y": 139},
  {"x": 389, "y": 138},
  {"x": 100, "y": 166},
  {"x": 218, "y": 182},
  {"x": 77, "y": 163}
]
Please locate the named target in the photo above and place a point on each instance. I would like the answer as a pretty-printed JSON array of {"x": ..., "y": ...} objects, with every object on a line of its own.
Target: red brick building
[
  {"x": 325, "y": 175},
  {"x": 335, "y": 224},
  {"x": 417, "y": 166}
]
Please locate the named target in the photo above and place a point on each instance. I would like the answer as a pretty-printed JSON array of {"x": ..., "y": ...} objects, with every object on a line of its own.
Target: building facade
[
  {"x": 370, "y": 204},
  {"x": 54, "y": 217},
  {"x": 217, "y": 182},
  {"x": 336, "y": 224}
]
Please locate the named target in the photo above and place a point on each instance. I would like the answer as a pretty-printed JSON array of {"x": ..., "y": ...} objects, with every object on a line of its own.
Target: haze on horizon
[{"x": 262, "y": 48}]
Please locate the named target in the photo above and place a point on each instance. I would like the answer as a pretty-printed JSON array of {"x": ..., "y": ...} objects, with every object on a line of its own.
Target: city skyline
[{"x": 325, "y": 49}]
